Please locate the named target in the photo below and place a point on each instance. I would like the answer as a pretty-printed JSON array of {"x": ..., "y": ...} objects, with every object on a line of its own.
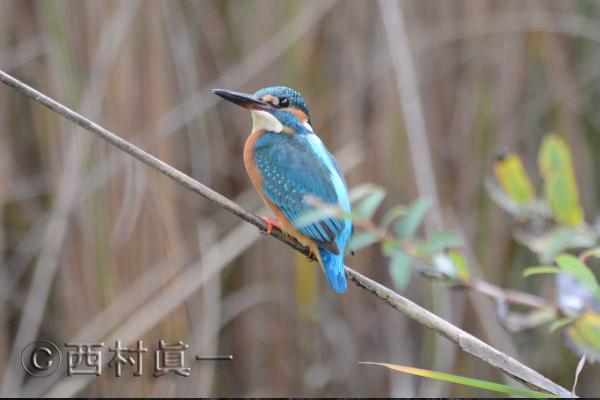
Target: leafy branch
[
  {"x": 555, "y": 223},
  {"x": 466, "y": 341},
  {"x": 437, "y": 256},
  {"x": 553, "y": 227}
]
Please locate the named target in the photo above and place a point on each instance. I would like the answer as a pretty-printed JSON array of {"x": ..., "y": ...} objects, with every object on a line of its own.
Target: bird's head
[{"x": 275, "y": 109}]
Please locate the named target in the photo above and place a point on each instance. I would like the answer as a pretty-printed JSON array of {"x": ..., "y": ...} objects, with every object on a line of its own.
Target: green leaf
[
  {"x": 461, "y": 380},
  {"x": 513, "y": 179},
  {"x": 560, "y": 186},
  {"x": 500, "y": 197},
  {"x": 539, "y": 317},
  {"x": 460, "y": 263},
  {"x": 361, "y": 240},
  {"x": 316, "y": 215},
  {"x": 362, "y": 191},
  {"x": 389, "y": 248},
  {"x": 400, "y": 270},
  {"x": 413, "y": 218},
  {"x": 559, "y": 323},
  {"x": 575, "y": 267},
  {"x": 583, "y": 335},
  {"x": 369, "y": 204},
  {"x": 441, "y": 241},
  {"x": 391, "y": 215},
  {"x": 542, "y": 269},
  {"x": 561, "y": 239}
]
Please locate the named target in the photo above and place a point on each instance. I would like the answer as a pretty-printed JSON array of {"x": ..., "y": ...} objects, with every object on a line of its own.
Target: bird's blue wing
[{"x": 291, "y": 172}]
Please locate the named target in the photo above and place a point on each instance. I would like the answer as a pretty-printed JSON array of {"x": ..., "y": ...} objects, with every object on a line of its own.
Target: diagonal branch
[{"x": 466, "y": 341}]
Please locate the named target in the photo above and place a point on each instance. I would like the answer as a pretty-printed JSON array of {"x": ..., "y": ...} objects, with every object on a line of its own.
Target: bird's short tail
[{"x": 333, "y": 265}]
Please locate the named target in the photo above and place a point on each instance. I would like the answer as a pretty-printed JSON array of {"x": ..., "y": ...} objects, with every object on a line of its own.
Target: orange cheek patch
[{"x": 270, "y": 99}]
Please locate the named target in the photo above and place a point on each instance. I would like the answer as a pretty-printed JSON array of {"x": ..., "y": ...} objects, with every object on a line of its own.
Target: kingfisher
[{"x": 293, "y": 172}]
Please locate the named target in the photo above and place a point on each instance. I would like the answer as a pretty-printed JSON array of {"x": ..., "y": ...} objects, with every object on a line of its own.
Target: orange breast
[
  {"x": 256, "y": 179},
  {"x": 250, "y": 161}
]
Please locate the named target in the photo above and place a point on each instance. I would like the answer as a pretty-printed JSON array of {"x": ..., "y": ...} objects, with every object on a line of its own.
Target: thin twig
[
  {"x": 466, "y": 341},
  {"x": 511, "y": 296}
]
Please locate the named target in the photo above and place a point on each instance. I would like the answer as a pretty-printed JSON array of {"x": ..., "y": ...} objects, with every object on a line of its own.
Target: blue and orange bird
[{"x": 288, "y": 165}]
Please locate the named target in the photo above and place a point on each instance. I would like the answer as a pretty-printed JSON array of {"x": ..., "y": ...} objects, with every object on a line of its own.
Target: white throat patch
[{"x": 265, "y": 120}]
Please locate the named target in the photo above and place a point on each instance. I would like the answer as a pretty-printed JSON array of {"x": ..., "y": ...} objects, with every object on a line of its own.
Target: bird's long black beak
[{"x": 245, "y": 100}]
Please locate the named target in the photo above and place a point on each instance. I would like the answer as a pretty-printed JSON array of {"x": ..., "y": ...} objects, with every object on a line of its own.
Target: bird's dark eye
[{"x": 284, "y": 102}]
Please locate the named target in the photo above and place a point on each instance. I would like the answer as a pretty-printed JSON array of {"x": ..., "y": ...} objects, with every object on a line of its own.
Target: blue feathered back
[{"x": 294, "y": 167}]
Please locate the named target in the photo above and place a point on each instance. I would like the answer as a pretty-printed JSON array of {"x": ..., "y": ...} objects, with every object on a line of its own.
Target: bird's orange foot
[{"x": 272, "y": 222}]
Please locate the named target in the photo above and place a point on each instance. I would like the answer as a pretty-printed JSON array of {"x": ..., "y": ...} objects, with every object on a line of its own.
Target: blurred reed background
[{"x": 97, "y": 247}]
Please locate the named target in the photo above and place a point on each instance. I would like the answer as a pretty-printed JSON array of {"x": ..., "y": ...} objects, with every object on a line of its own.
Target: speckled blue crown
[{"x": 296, "y": 99}]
